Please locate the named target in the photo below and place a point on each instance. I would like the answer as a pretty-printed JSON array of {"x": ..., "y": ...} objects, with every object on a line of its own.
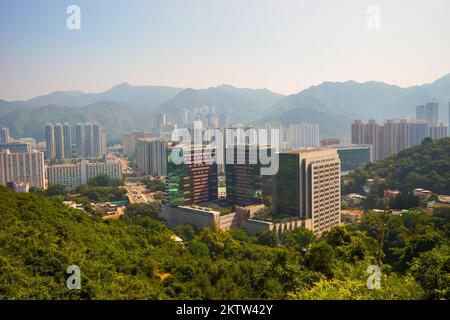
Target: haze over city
[
  {"x": 284, "y": 47},
  {"x": 240, "y": 151}
]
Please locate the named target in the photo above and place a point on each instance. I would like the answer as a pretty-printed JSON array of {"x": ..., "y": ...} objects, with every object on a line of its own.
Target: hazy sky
[{"x": 282, "y": 45}]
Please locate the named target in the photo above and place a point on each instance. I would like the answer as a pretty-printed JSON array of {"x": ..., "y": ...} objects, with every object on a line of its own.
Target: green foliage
[
  {"x": 145, "y": 210},
  {"x": 405, "y": 200},
  {"x": 103, "y": 180},
  {"x": 432, "y": 271},
  {"x": 101, "y": 194},
  {"x": 299, "y": 238},
  {"x": 135, "y": 257},
  {"x": 154, "y": 185}
]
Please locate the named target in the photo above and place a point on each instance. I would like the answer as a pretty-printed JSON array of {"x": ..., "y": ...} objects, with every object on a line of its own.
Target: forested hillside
[
  {"x": 424, "y": 166},
  {"x": 135, "y": 258}
]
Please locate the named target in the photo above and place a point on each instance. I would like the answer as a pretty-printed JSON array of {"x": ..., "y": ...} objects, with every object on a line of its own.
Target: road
[{"x": 138, "y": 193}]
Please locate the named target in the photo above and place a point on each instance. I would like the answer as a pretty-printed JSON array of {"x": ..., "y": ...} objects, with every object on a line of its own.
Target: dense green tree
[
  {"x": 432, "y": 271},
  {"x": 103, "y": 180},
  {"x": 424, "y": 166}
]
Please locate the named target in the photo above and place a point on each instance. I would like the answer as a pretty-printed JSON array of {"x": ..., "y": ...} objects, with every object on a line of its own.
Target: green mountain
[
  {"x": 144, "y": 97},
  {"x": 125, "y": 107},
  {"x": 115, "y": 117},
  {"x": 424, "y": 166},
  {"x": 349, "y": 100},
  {"x": 241, "y": 105},
  {"x": 330, "y": 125}
]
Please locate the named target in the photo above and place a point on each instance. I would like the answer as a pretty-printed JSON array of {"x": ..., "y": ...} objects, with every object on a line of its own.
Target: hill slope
[
  {"x": 242, "y": 105},
  {"x": 424, "y": 166},
  {"x": 144, "y": 97}
]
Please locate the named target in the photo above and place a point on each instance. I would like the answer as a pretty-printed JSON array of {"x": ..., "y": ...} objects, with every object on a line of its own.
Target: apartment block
[
  {"x": 74, "y": 175},
  {"x": 27, "y": 167}
]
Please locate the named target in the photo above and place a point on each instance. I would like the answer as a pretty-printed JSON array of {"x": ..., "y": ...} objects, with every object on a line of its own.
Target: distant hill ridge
[{"x": 331, "y": 104}]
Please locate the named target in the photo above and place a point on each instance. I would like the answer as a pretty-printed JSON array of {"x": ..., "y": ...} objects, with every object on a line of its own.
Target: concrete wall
[
  {"x": 178, "y": 216},
  {"x": 253, "y": 227}
]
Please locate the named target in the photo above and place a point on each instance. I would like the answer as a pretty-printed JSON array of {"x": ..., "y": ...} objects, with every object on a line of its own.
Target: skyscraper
[
  {"x": 303, "y": 135},
  {"x": 432, "y": 112},
  {"x": 152, "y": 156},
  {"x": 59, "y": 141},
  {"x": 307, "y": 186},
  {"x": 4, "y": 137},
  {"x": 97, "y": 140},
  {"x": 102, "y": 144},
  {"x": 79, "y": 130},
  {"x": 88, "y": 141},
  {"x": 67, "y": 129},
  {"x": 417, "y": 131},
  {"x": 49, "y": 142},
  {"x": 391, "y": 137},
  {"x": 420, "y": 112}
]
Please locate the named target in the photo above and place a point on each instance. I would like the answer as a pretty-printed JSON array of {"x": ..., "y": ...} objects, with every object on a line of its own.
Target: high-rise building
[
  {"x": 432, "y": 112},
  {"x": 438, "y": 131},
  {"x": 368, "y": 133},
  {"x": 391, "y": 137},
  {"x": 152, "y": 156},
  {"x": 49, "y": 142},
  {"x": 303, "y": 135},
  {"x": 59, "y": 141},
  {"x": 428, "y": 112},
  {"x": 417, "y": 131},
  {"x": 103, "y": 144},
  {"x": 193, "y": 180},
  {"x": 307, "y": 186},
  {"x": 4, "y": 136},
  {"x": 22, "y": 168},
  {"x": 358, "y": 129},
  {"x": 67, "y": 130},
  {"x": 97, "y": 140},
  {"x": 420, "y": 112},
  {"x": 88, "y": 140},
  {"x": 74, "y": 175},
  {"x": 79, "y": 131},
  {"x": 244, "y": 183}
]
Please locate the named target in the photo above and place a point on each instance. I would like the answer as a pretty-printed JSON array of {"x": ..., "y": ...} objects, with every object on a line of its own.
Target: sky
[{"x": 283, "y": 45}]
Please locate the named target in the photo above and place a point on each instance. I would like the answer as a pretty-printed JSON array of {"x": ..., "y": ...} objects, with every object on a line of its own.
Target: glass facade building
[
  {"x": 245, "y": 184},
  {"x": 192, "y": 181}
]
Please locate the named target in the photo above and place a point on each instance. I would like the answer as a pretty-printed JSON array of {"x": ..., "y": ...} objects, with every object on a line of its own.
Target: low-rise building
[{"x": 422, "y": 194}]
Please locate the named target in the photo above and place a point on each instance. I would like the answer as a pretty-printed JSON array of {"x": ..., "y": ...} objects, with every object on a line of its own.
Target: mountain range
[{"x": 126, "y": 107}]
